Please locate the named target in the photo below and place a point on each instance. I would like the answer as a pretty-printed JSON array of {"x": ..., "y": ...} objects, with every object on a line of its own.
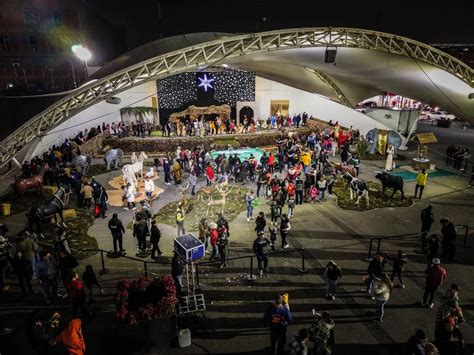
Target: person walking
[
  {"x": 249, "y": 198},
  {"x": 448, "y": 243},
  {"x": 285, "y": 228},
  {"x": 72, "y": 338},
  {"x": 222, "y": 243},
  {"x": 213, "y": 238},
  {"x": 291, "y": 206},
  {"x": 149, "y": 188},
  {"x": 87, "y": 192},
  {"x": 130, "y": 197},
  {"x": 180, "y": 220},
  {"x": 22, "y": 268},
  {"x": 398, "y": 265},
  {"x": 421, "y": 181},
  {"x": 277, "y": 317},
  {"x": 435, "y": 276},
  {"x": 332, "y": 274},
  {"x": 275, "y": 211},
  {"x": 155, "y": 236},
  {"x": 375, "y": 269},
  {"x": 260, "y": 223},
  {"x": 381, "y": 292},
  {"x": 29, "y": 249},
  {"x": 90, "y": 280},
  {"x": 433, "y": 248},
  {"x": 102, "y": 201},
  {"x": 427, "y": 219},
  {"x": 66, "y": 265},
  {"x": 177, "y": 269},
  {"x": 75, "y": 290},
  {"x": 193, "y": 181},
  {"x": 322, "y": 334},
  {"x": 47, "y": 272},
  {"x": 140, "y": 231},
  {"x": 117, "y": 230},
  {"x": 260, "y": 249},
  {"x": 299, "y": 187}
]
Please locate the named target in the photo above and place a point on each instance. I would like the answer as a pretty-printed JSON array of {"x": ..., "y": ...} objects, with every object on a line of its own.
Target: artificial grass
[
  {"x": 195, "y": 210},
  {"x": 376, "y": 199}
]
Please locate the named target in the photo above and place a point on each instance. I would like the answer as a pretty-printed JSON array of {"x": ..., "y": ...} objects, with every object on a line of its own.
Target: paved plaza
[{"x": 233, "y": 321}]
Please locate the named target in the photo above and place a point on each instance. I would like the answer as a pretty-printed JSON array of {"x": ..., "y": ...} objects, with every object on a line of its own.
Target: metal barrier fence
[
  {"x": 251, "y": 276},
  {"x": 379, "y": 240}
]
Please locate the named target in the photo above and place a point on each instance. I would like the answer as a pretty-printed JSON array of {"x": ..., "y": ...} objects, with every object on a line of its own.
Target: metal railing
[
  {"x": 378, "y": 240},
  {"x": 251, "y": 276}
]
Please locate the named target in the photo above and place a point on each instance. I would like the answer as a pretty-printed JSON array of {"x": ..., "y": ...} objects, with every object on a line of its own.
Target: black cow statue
[{"x": 392, "y": 182}]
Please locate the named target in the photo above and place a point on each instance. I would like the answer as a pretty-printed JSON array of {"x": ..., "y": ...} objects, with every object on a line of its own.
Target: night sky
[{"x": 139, "y": 20}]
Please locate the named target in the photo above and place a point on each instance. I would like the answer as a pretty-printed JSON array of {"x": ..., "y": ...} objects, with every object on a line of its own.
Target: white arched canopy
[{"x": 366, "y": 63}]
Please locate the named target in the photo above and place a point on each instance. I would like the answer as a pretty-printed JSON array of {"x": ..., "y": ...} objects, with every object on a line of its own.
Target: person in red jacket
[
  {"x": 271, "y": 162},
  {"x": 214, "y": 238},
  {"x": 435, "y": 276},
  {"x": 209, "y": 175},
  {"x": 77, "y": 295}
]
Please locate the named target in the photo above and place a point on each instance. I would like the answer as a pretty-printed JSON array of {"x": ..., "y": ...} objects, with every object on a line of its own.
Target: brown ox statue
[
  {"x": 21, "y": 185},
  {"x": 344, "y": 168}
]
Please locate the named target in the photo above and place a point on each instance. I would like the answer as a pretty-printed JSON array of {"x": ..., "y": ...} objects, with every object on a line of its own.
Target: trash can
[
  {"x": 6, "y": 209},
  {"x": 184, "y": 338}
]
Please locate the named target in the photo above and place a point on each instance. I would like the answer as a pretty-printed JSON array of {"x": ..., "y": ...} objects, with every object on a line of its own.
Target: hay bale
[
  {"x": 69, "y": 213},
  {"x": 53, "y": 189}
]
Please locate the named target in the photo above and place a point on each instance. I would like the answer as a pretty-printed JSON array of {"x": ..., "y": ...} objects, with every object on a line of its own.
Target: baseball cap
[{"x": 436, "y": 261}]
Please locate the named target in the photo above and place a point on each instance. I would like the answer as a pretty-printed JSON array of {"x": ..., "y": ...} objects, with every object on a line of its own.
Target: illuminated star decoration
[{"x": 205, "y": 82}]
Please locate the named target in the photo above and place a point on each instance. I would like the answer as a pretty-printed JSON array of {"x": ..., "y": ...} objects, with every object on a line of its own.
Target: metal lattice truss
[
  {"x": 216, "y": 51},
  {"x": 332, "y": 85}
]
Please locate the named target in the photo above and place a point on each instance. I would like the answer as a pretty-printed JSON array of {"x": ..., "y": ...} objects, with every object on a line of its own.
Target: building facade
[{"x": 35, "y": 46}]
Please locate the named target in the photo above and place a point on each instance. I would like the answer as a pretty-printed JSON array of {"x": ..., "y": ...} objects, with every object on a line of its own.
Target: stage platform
[{"x": 116, "y": 195}]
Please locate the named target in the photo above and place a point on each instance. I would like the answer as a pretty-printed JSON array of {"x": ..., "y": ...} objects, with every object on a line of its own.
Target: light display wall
[{"x": 206, "y": 88}]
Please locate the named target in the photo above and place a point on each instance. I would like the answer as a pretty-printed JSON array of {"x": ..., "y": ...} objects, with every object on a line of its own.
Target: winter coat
[
  {"x": 380, "y": 291},
  {"x": 435, "y": 276}
]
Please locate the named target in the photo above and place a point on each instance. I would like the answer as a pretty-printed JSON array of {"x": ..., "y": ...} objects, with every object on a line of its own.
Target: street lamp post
[{"x": 83, "y": 54}]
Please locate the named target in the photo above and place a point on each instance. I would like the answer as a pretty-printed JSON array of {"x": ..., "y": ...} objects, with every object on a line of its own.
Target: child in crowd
[
  {"x": 275, "y": 210},
  {"x": 291, "y": 206},
  {"x": 273, "y": 236},
  {"x": 313, "y": 193},
  {"x": 330, "y": 184},
  {"x": 332, "y": 273}
]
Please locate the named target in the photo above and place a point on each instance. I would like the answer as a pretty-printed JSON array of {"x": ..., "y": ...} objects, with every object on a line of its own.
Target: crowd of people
[
  {"x": 458, "y": 157},
  {"x": 206, "y": 125},
  {"x": 298, "y": 172}
]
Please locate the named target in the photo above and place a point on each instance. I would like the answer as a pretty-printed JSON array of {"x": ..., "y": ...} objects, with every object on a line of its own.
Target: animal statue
[
  {"x": 83, "y": 162},
  {"x": 206, "y": 191},
  {"x": 137, "y": 167},
  {"x": 129, "y": 176},
  {"x": 52, "y": 208},
  {"x": 114, "y": 156},
  {"x": 21, "y": 185},
  {"x": 216, "y": 203},
  {"x": 357, "y": 187},
  {"x": 344, "y": 168},
  {"x": 392, "y": 182}
]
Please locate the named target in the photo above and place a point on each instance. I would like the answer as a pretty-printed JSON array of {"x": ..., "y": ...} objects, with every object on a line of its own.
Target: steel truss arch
[{"x": 209, "y": 53}]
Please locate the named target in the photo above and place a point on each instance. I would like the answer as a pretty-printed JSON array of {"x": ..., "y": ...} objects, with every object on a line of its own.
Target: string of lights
[
  {"x": 229, "y": 86},
  {"x": 176, "y": 90}
]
